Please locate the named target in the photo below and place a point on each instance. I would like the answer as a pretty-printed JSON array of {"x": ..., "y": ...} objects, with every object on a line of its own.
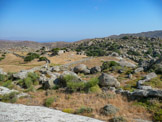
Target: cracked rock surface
[{"x": 22, "y": 113}]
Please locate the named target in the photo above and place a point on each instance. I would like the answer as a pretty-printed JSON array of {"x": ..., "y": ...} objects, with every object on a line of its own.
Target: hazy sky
[{"x": 71, "y": 20}]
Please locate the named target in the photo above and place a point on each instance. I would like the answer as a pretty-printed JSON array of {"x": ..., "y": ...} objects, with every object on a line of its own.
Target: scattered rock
[
  {"x": 1, "y": 72},
  {"x": 55, "y": 69},
  {"x": 140, "y": 69},
  {"x": 126, "y": 63},
  {"x": 109, "y": 110},
  {"x": 4, "y": 90},
  {"x": 95, "y": 69},
  {"x": 106, "y": 80},
  {"x": 81, "y": 68}
]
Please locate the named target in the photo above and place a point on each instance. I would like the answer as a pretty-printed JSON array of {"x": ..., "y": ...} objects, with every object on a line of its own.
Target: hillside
[
  {"x": 36, "y": 45},
  {"x": 30, "y": 44},
  {"x": 150, "y": 34}
]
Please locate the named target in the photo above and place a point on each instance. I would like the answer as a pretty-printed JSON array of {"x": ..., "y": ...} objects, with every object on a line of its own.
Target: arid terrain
[{"x": 109, "y": 79}]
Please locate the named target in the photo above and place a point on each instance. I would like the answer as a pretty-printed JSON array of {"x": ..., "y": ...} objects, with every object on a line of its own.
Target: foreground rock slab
[{"x": 17, "y": 112}]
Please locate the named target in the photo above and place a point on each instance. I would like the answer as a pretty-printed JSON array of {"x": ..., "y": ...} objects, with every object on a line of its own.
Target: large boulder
[
  {"x": 81, "y": 68},
  {"x": 109, "y": 110},
  {"x": 21, "y": 75},
  {"x": 51, "y": 81},
  {"x": 106, "y": 80},
  {"x": 95, "y": 69}
]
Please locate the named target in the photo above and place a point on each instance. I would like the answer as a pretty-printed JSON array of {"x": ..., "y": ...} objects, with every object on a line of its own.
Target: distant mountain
[
  {"x": 30, "y": 44},
  {"x": 151, "y": 34},
  {"x": 37, "y": 45}
]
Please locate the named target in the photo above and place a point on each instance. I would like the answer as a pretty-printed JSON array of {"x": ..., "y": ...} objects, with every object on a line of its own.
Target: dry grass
[
  {"x": 65, "y": 58},
  {"x": 12, "y": 63},
  {"x": 77, "y": 100}
]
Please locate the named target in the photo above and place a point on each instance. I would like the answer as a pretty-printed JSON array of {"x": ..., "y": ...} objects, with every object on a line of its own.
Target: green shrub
[
  {"x": 43, "y": 59},
  {"x": 11, "y": 97},
  {"x": 95, "y": 89},
  {"x": 108, "y": 64},
  {"x": 91, "y": 85},
  {"x": 29, "y": 81},
  {"x": 55, "y": 51},
  {"x": 2, "y": 77},
  {"x": 8, "y": 84},
  {"x": 83, "y": 110},
  {"x": 75, "y": 86},
  {"x": 31, "y": 56},
  {"x": 118, "y": 119},
  {"x": 49, "y": 101}
]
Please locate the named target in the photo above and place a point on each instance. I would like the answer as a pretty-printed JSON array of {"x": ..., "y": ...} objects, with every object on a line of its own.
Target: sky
[{"x": 72, "y": 20}]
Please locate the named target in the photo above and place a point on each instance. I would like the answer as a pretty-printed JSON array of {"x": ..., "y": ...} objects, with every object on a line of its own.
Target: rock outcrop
[{"x": 18, "y": 112}]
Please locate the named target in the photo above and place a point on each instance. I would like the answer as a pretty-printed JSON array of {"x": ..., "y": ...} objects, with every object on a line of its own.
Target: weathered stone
[
  {"x": 81, "y": 68},
  {"x": 95, "y": 69},
  {"x": 109, "y": 110},
  {"x": 140, "y": 69},
  {"x": 1, "y": 72},
  {"x": 106, "y": 80},
  {"x": 23, "y": 113},
  {"x": 126, "y": 63},
  {"x": 55, "y": 69}
]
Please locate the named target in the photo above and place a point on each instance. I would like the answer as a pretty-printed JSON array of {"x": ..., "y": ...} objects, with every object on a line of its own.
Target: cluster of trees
[{"x": 31, "y": 56}]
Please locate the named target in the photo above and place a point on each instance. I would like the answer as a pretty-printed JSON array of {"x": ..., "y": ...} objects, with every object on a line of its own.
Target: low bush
[
  {"x": 55, "y": 51},
  {"x": 8, "y": 84},
  {"x": 2, "y": 77},
  {"x": 43, "y": 59},
  {"x": 95, "y": 89},
  {"x": 73, "y": 84},
  {"x": 31, "y": 56},
  {"x": 49, "y": 101},
  {"x": 29, "y": 81},
  {"x": 11, "y": 97},
  {"x": 108, "y": 64},
  {"x": 83, "y": 110},
  {"x": 118, "y": 119}
]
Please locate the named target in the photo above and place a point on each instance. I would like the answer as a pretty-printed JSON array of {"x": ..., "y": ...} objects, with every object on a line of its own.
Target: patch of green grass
[
  {"x": 155, "y": 82},
  {"x": 49, "y": 101}
]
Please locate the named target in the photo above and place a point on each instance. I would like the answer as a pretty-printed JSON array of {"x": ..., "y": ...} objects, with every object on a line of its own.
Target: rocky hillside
[{"x": 150, "y": 34}]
